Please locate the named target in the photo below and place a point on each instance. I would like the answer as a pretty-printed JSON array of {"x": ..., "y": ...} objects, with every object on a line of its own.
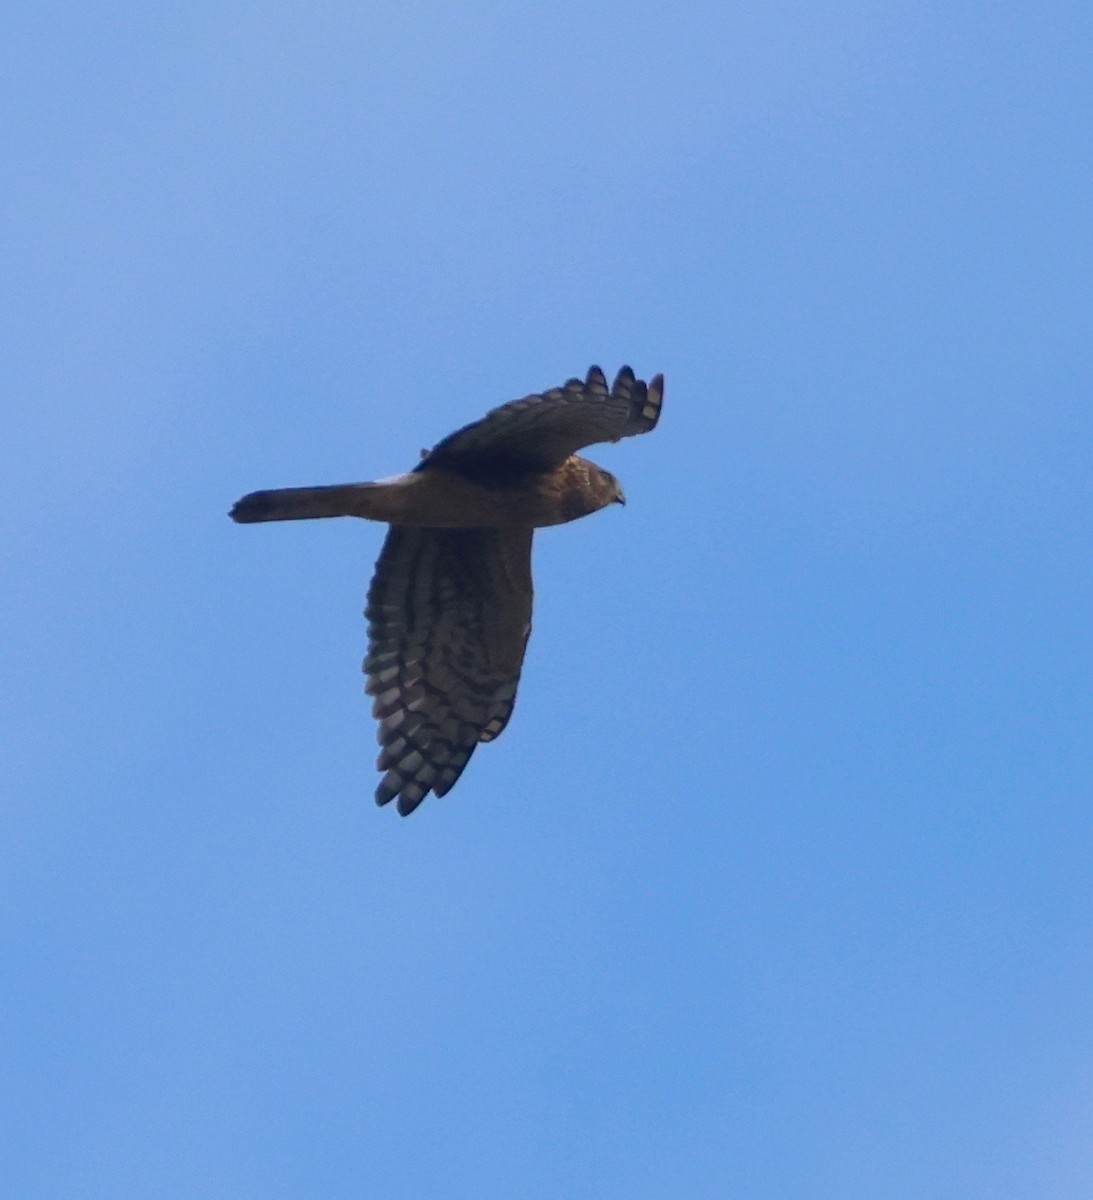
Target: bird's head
[{"x": 608, "y": 489}]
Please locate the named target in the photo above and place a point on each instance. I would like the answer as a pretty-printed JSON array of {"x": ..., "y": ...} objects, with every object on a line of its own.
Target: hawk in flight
[{"x": 449, "y": 608}]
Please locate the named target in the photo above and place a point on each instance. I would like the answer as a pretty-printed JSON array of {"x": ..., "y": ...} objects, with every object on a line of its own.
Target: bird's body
[
  {"x": 440, "y": 498},
  {"x": 449, "y": 608}
]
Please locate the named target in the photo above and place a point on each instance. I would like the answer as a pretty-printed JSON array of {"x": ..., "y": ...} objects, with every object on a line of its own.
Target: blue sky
[{"x": 778, "y": 885}]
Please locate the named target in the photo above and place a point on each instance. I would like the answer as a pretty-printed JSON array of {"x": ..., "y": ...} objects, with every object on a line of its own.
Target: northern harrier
[{"x": 449, "y": 609}]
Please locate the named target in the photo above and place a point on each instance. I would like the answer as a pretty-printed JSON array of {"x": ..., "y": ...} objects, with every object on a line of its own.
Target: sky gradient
[{"x": 779, "y": 883}]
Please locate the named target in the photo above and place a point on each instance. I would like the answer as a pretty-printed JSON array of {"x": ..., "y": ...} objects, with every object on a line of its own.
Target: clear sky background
[{"x": 780, "y": 883}]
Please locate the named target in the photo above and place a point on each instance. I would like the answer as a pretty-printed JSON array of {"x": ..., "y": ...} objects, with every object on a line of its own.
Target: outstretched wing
[
  {"x": 449, "y": 614},
  {"x": 539, "y": 432}
]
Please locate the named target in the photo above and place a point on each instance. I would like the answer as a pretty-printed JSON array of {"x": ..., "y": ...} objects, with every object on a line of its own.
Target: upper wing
[
  {"x": 541, "y": 431},
  {"x": 449, "y": 614}
]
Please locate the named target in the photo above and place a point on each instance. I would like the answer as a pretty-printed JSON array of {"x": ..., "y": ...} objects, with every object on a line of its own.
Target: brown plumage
[{"x": 449, "y": 608}]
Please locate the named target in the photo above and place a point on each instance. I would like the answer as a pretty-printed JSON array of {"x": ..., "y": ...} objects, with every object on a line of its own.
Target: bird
[{"x": 449, "y": 605}]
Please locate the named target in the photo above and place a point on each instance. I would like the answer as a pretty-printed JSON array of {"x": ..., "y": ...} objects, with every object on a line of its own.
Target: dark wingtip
[
  {"x": 386, "y": 792},
  {"x": 652, "y": 401}
]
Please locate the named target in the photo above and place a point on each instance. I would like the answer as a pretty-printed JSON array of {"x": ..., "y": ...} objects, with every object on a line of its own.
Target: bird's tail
[{"x": 302, "y": 504}]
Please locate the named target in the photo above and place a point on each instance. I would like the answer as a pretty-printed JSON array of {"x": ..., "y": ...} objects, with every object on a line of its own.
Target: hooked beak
[{"x": 620, "y": 498}]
